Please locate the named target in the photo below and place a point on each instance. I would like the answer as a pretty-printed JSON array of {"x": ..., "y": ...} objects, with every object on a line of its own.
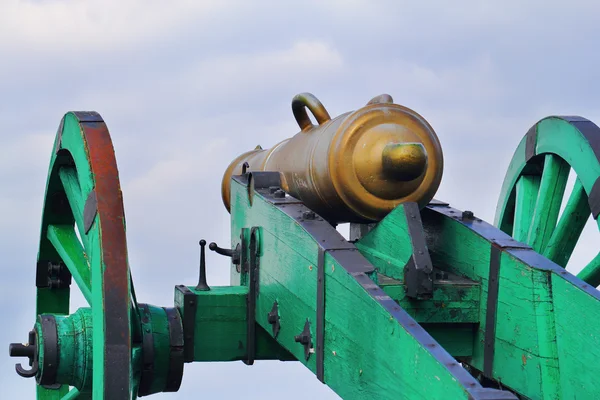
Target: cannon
[{"x": 421, "y": 301}]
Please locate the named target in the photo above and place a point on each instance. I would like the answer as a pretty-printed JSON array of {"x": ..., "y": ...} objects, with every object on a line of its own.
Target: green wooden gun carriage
[{"x": 422, "y": 301}]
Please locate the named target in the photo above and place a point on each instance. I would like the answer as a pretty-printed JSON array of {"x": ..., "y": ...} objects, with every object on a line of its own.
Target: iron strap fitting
[{"x": 497, "y": 247}]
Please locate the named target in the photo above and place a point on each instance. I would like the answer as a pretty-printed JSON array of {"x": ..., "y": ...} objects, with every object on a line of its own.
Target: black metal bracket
[
  {"x": 53, "y": 275},
  {"x": 202, "y": 285},
  {"x": 29, "y": 350},
  {"x": 235, "y": 254},
  {"x": 253, "y": 283},
  {"x": 418, "y": 270},
  {"x": 90, "y": 209},
  {"x": 321, "y": 315},
  {"x": 594, "y": 199},
  {"x": 153, "y": 373},
  {"x": 273, "y": 319},
  {"x": 490, "y": 315},
  {"x": 50, "y": 367},
  {"x": 305, "y": 339},
  {"x": 147, "y": 373},
  {"x": 189, "y": 321},
  {"x": 59, "y": 276},
  {"x": 492, "y": 301},
  {"x": 176, "y": 342}
]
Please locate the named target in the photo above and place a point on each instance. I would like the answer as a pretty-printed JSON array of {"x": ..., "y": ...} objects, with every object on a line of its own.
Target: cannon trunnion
[{"x": 423, "y": 301}]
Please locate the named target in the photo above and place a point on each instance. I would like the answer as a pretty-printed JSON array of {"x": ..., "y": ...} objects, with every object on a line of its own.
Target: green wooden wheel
[
  {"x": 535, "y": 185},
  {"x": 83, "y": 240},
  {"x": 83, "y": 196},
  {"x": 114, "y": 349}
]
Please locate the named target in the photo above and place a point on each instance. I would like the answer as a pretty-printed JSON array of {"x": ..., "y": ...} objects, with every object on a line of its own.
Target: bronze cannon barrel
[{"x": 356, "y": 167}]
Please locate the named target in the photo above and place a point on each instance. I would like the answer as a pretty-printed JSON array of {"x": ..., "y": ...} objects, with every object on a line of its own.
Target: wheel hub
[{"x": 53, "y": 362}]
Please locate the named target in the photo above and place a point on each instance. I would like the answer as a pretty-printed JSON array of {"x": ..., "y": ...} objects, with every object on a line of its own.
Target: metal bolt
[
  {"x": 302, "y": 339},
  {"x": 308, "y": 215},
  {"x": 441, "y": 275},
  {"x": 279, "y": 194},
  {"x": 467, "y": 215},
  {"x": 273, "y": 189}
]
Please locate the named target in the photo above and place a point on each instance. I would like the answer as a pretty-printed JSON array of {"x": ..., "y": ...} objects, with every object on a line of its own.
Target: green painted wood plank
[
  {"x": 569, "y": 227},
  {"x": 591, "y": 272},
  {"x": 453, "y": 302},
  {"x": 53, "y": 301},
  {"x": 68, "y": 246},
  {"x": 546, "y": 333},
  {"x": 51, "y": 394},
  {"x": 388, "y": 245},
  {"x": 221, "y": 329},
  {"x": 70, "y": 182},
  {"x": 552, "y": 187},
  {"x": 456, "y": 339},
  {"x": 73, "y": 394},
  {"x": 526, "y": 196},
  {"x": 577, "y": 316},
  {"x": 456, "y": 247},
  {"x": 362, "y": 360},
  {"x": 517, "y": 328}
]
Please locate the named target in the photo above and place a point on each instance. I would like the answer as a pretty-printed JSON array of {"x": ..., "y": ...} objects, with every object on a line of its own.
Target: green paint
[
  {"x": 456, "y": 247},
  {"x": 70, "y": 250},
  {"x": 155, "y": 322},
  {"x": 456, "y": 339},
  {"x": 536, "y": 322},
  {"x": 70, "y": 184},
  {"x": 577, "y": 316},
  {"x": 221, "y": 331},
  {"x": 526, "y": 191},
  {"x": 75, "y": 349},
  {"x": 559, "y": 148},
  {"x": 373, "y": 359},
  {"x": 569, "y": 227},
  {"x": 73, "y": 394},
  {"x": 388, "y": 245},
  {"x": 552, "y": 188},
  {"x": 453, "y": 302},
  {"x": 74, "y": 354},
  {"x": 591, "y": 272},
  {"x": 70, "y": 177}
]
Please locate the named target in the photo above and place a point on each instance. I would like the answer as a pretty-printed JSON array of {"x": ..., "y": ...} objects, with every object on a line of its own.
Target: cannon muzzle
[{"x": 356, "y": 167}]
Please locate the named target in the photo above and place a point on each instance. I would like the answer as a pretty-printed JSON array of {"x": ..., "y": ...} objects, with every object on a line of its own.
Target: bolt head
[
  {"x": 308, "y": 215},
  {"x": 467, "y": 215}
]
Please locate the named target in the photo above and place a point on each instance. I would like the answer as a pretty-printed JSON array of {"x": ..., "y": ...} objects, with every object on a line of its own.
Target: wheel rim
[
  {"x": 83, "y": 194},
  {"x": 535, "y": 184}
]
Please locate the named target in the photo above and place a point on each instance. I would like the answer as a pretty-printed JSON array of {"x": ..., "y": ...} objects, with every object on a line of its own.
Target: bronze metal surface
[{"x": 356, "y": 167}]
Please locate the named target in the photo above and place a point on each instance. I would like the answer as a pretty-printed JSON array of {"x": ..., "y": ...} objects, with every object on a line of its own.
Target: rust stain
[
  {"x": 524, "y": 358},
  {"x": 112, "y": 240}
]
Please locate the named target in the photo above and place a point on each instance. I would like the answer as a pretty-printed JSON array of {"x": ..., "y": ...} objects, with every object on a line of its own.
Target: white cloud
[{"x": 99, "y": 24}]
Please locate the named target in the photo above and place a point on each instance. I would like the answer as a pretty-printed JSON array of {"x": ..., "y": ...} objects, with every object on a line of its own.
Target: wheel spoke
[
  {"x": 73, "y": 394},
  {"x": 69, "y": 248},
  {"x": 552, "y": 188},
  {"x": 569, "y": 227},
  {"x": 527, "y": 192},
  {"x": 70, "y": 182},
  {"x": 591, "y": 273}
]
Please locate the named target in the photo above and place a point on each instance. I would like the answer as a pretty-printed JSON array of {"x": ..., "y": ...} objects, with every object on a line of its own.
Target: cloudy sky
[{"x": 185, "y": 86}]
